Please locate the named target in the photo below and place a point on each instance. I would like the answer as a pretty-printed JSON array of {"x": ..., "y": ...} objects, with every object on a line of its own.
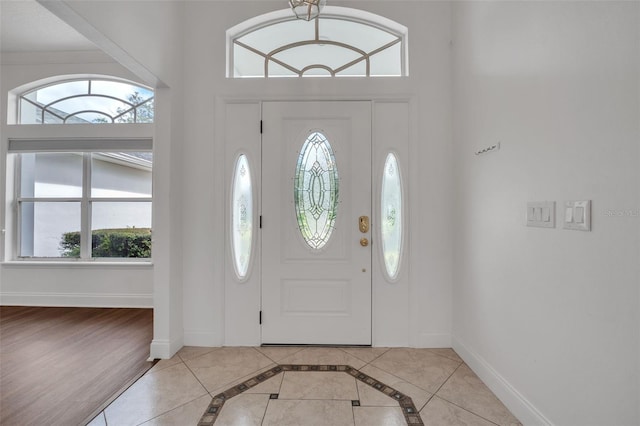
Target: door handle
[{"x": 363, "y": 224}]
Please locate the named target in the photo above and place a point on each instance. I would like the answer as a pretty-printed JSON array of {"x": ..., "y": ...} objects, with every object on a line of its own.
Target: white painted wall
[
  {"x": 549, "y": 317},
  {"x": 425, "y": 311}
]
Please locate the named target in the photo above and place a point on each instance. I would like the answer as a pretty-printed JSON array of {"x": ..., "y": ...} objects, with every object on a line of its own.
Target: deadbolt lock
[
  {"x": 363, "y": 224},
  {"x": 364, "y": 242}
]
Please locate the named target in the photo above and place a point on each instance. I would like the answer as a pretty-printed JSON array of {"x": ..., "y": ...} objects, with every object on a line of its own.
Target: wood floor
[{"x": 59, "y": 365}]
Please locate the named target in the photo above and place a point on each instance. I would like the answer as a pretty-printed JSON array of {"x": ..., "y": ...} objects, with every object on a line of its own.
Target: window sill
[{"x": 74, "y": 264}]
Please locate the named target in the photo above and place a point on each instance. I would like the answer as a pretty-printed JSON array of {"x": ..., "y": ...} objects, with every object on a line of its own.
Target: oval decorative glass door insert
[
  {"x": 242, "y": 216},
  {"x": 316, "y": 191},
  {"x": 391, "y": 214}
]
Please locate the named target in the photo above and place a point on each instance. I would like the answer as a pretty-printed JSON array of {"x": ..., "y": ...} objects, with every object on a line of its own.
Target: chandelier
[{"x": 307, "y": 9}]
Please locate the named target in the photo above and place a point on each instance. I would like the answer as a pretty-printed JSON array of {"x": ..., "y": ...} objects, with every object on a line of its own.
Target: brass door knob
[{"x": 364, "y": 242}]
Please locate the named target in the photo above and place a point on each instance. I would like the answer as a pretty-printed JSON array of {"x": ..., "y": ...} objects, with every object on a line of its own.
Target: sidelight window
[
  {"x": 391, "y": 216},
  {"x": 242, "y": 216}
]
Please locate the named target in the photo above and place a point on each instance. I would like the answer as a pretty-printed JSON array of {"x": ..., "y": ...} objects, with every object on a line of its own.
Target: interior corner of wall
[{"x": 434, "y": 340}]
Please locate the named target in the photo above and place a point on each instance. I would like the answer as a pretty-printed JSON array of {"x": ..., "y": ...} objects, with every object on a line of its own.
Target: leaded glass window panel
[
  {"x": 316, "y": 190},
  {"x": 391, "y": 216},
  {"x": 345, "y": 39},
  {"x": 242, "y": 216},
  {"x": 87, "y": 101}
]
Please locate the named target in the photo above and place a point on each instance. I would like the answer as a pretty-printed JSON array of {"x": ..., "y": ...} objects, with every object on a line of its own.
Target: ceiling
[{"x": 26, "y": 26}]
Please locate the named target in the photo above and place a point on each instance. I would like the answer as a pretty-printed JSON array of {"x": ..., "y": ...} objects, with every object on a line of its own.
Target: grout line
[
  {"x": 433, "y": 394},
  {"x": 266, "y": 407},
  {"x": 266, "y": 356},
  {"x": 174, "y": 408},
  {"x": 430, "y": 350},
  {"x": 353, "y": 414},
  {"x": 444, "y": 399},
  {"x": 190, "y": 359},
  {"x": 196, "y": 377},
  {"x": 448, "y": 378},
  {"x": 468, "y": 411},
  {"x": 402, "y": 380},
  {"x": 428, "y": 401}
]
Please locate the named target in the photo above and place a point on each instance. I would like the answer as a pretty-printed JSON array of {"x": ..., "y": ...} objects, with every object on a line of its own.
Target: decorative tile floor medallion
[{"x": 409, "y": 410}]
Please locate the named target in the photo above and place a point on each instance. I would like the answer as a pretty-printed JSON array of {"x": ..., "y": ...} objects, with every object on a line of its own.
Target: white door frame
[{"x": 392, "y": 129}]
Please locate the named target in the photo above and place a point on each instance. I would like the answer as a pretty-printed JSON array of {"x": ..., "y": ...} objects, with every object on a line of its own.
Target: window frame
[
  {"x": 392, "y": 278},
  {"x": 329, "y": 12},
  {"x": 86, "y": 203},
  {"x": 55, "y": 137},
  {"x": 243, "y": 277},
  {"x": 133, "y": 108}
]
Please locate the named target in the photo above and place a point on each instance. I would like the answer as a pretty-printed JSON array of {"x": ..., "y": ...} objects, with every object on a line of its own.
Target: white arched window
[
  {"x": 82, "y": 101},
  {"x": 340, "y": 42},
  {"x": 79, "y": 193}
]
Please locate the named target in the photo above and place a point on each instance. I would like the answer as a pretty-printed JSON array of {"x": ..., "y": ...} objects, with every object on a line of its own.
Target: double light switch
[
  {"x": 577, "y": 215},
  {"x": 541, "y": 214}
]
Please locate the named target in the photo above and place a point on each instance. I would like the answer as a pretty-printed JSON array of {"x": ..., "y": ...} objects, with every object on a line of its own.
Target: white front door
[{"x": 316, "y": 198}]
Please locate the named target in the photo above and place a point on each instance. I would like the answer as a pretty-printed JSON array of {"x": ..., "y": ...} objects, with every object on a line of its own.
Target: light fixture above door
[{"x": 307, "y": 9}]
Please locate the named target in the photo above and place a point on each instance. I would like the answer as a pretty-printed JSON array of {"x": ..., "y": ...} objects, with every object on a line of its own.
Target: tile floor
[{"x": 178, "y": 391}]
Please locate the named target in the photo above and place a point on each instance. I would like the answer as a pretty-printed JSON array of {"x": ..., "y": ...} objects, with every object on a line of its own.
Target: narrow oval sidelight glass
[
  {"x": 315, "y": 191},
  {"x": 391, "y": 216},
  {"x": 242, "y": 216}
]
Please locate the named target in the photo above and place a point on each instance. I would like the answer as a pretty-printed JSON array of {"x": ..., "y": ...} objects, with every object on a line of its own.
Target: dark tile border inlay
[{"x": 409, "y": 410}]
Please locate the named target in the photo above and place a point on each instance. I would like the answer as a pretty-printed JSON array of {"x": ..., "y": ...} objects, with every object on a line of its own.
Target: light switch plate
[
  {"x": 577, "y": 215},
  {"x": 541, "y": 214}
]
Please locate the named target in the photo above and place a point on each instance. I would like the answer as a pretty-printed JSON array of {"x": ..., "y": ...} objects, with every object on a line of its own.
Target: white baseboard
[
  {"x": 160, "y": 349},
  {"x": 165, "y": 348},
  {"x": 201, "y": 338},
  {"x": 524, "y": 410},
  {"x": 428, "y": 340},
  {"x": 80, "y": 300}
]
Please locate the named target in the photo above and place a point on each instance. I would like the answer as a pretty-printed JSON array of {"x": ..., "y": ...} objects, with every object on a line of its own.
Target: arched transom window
[
  {"x": 340, "y": 42},
  {"x": 82, "y": 101}
]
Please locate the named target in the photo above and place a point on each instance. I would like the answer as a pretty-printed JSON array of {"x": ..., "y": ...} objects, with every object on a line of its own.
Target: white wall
[
  {"x": 106, "y": 285},
  {"x": 549, "y": 317},
  {"x": 427, "y": 304}
]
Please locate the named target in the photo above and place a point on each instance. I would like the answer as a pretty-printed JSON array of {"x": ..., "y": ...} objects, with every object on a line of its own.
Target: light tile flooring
[{"x": 178, "y": 391}]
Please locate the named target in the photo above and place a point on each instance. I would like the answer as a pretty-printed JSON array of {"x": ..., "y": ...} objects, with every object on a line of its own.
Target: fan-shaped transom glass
[
  {"x": 87, "y": 101},
  {"x": 391, "y": 216},
  {"x": 315, "y": 191},
  {"x": 242, "y": 216},
  {"x": 329, "y": 45}
]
